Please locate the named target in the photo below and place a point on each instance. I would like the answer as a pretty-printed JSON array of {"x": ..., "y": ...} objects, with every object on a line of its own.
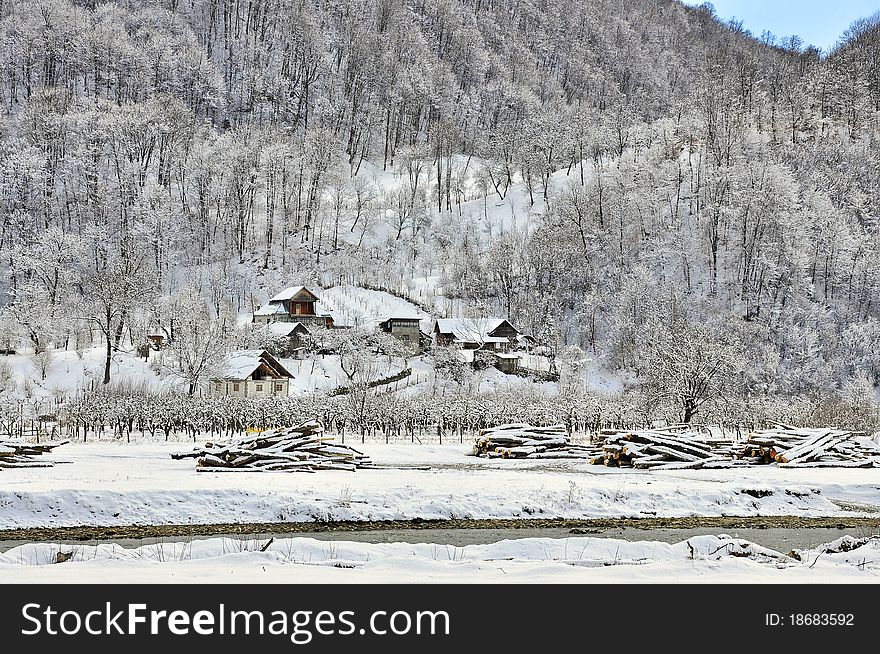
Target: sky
[{"x": 817, "y": 22}]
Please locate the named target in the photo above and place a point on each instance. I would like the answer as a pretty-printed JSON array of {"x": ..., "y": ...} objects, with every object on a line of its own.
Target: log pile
[
  {"x": 520, "y": 441},
  {"x": 681, "y": 447},
  {"x": 663, "y": 449},
  {"x": 293, "y": 449},
  {"x": 18, "y": 454},
  {"x": 808, "y": 448}
]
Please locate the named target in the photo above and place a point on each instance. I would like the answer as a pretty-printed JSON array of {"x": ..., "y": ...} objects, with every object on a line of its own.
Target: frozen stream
[{"x": 779, "y": 539}]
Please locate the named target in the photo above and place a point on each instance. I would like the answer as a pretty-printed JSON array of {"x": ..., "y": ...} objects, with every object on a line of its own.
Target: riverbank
[
  {"x": 574, "y": 559},
  {"x": 569, "y": 526},
  {"x": 117, "y": 485}
]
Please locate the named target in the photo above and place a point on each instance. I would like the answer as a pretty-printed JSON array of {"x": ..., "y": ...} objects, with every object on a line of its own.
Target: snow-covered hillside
[
  {"x": 362, "y": 307},
  {"x": 68, "y": 373}
]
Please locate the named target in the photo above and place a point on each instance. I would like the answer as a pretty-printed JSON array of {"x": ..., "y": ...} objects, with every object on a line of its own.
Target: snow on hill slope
[
  {"x": 491, "y": 217},
  {"x": 361, "y": 307},
  {"x": 325, "y": 373},
  {"x": 68, "y": 373}
]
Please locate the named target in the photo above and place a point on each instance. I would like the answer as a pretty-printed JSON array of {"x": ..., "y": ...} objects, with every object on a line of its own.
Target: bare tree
[
  {"x": 690, "y": 366},
  {"x": 199, "y": 340},
  {"x": 111, "y": 293}
]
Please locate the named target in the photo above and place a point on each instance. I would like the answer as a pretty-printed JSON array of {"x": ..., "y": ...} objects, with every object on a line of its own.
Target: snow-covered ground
[
  {"x": 362, "y": 307},
  {"x": 324, "y": 372},
  {"x": 70, "y": 372},
  {"x": 138, "y": 483},
  {"x": 699, "y": 559},
  {"x": 423, "y": 380}
]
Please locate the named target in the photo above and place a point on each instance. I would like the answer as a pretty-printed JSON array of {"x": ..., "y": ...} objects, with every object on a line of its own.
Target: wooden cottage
[
  {"x": 294, "y": 304},
  {"x": 476, "y": 333},
  {"x": 250, "y": 373}
]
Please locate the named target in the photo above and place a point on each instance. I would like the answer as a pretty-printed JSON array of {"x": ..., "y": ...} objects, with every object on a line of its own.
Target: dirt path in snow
[{"x": 95, "y": 533}]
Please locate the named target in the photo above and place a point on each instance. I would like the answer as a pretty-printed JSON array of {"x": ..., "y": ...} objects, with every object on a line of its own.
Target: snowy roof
[
  {"x": 241, "y": 364},
  {"x": 471, "y": 330},
  {"x": 291, "y": 292},
  {"x": 282, "y": 328},
  {"x": 506, "y": 355},
  {"x": 269, "y": 310}
]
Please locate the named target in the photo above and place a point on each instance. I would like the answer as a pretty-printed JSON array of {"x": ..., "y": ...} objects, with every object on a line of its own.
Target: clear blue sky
[{"x": 817, "y": 22}]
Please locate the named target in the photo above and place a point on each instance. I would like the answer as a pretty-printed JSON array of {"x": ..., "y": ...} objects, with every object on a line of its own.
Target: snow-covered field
[
  {"x": 700, "y": 559},
  {"x": 122, "y": 484}
]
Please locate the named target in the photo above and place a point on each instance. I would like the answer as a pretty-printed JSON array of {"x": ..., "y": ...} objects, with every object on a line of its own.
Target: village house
[
  {"x": 496, "y": 335},
  {"x": 405, "y": 328},
  {"x": 293, "y": 304},
  {"x": 285, "y": 339},
  {"x": 476, "y": 333},
  {"x": 156, "y": 341},
  {"x": 153, "y": 342},
  {"x": 250, "y": 373}
]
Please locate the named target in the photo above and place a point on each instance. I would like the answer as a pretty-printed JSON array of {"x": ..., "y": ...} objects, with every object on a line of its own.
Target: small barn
[
  {"x": 285, "y": 339},
  {"x": 250, "y": 373},
  {"x": 507, "y": 362}
]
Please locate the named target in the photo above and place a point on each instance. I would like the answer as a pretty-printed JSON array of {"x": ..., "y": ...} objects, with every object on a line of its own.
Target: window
[
  {"x": 259, "y": 387},
  {"x": 279, "y": 388},
  {"x": 404, "y": 337},
  {"x": 235, "y": 386},
  {"x": 218, "y": 386}
]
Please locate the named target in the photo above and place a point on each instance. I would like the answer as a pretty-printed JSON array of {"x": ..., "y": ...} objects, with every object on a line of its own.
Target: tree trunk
[
  {"x": 689, "y": 410},
  {"x": 108, "y": 357}
]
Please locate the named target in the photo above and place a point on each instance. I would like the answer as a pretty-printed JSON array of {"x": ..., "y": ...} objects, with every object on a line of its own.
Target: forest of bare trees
[{"x": 705, "y": 200}]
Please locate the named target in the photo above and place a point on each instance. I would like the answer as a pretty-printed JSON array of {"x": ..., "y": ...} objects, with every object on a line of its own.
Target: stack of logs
[
  {"x": 681, "y": 447},
  {"x": 292, "y": 449},
  {"x": 18, "y": 454},
  {"x": 668, "y": 448},
  {"x": 807, "y": 448},
  {"x": 519, "y": 441}
]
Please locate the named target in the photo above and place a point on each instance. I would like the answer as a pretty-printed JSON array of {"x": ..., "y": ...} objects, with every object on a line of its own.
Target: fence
[{"x": 385, "y": 381}]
